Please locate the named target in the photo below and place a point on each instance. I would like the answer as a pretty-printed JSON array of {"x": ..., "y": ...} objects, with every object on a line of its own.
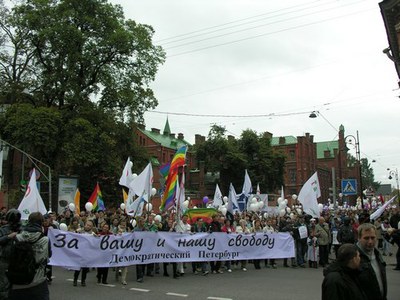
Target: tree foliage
[
  {"x": 66, "y": 53},
  {"x": 230, "y": 157},
  {"x": 75, "y": 76}
]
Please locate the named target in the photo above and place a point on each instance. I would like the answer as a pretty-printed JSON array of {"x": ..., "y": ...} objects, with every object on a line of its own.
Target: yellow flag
[
  {"x": 124, "y": 195},
  {"x": 77, "y": 201}
]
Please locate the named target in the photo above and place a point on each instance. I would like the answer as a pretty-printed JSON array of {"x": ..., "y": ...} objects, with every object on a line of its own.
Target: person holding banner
[
  {"x": 87, "y": 229},
  {"x": 183, "y": 227},
  {"x": 169, "y": 227},
  {"x": 102, "y": 273},
  {"x": 140, "y": 226}
]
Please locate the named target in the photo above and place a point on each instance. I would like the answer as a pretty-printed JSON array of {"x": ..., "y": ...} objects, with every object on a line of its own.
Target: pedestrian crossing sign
[{"x": 349, "y": 187}]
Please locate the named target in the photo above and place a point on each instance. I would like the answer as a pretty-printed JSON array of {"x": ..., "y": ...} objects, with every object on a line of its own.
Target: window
[{"x": 292, "y": 176}]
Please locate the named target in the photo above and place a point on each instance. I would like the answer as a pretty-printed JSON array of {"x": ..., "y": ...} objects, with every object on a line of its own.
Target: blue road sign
[{"x": 349, "y": 187}]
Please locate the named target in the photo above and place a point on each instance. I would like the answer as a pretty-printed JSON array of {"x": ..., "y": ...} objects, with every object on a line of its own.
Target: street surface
[{"x": 275, "y": 284}]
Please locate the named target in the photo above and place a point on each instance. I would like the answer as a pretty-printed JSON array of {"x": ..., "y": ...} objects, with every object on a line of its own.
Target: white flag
[
  {"x": 143, "y": 182},
  {"x": 217, "y": 201},
  {"x": 258, "y": 192},
  {"x": 376, "y": 214},
  {"x": 308, "y": 196},
  {"x": 232, "y": 199},
  {"x": 32, "y": 201},
  {"x": 136, "y": 207},
  {"x": 247, "y": 189},
  {"x": 126, "y": 177}
]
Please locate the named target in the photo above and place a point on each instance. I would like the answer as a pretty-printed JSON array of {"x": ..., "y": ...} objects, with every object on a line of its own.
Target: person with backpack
[
  {"x": 27, "y": 265},
  {"x": 8, "y": 233}
]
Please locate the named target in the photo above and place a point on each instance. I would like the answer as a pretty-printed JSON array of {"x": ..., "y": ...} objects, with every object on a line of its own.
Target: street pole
[
  {"x": 360, "y": 170},
  {"x": 34, "y": 161}
]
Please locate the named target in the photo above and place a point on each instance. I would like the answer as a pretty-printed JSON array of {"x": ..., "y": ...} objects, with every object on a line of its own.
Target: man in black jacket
[
  {"x": 373, "y": 268},
  {"x": 8, "y": 233},
  {"x": 341, "y": 278}
]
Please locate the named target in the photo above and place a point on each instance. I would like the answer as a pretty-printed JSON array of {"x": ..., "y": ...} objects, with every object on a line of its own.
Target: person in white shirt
[{"x": 183, "y": 227}]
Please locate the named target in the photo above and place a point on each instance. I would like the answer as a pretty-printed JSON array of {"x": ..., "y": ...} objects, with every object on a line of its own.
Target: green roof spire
[{"x": 167, "y": 130}]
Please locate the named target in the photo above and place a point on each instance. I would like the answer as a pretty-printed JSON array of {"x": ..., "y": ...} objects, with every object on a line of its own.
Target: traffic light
[{"x": 23, "y": 185}]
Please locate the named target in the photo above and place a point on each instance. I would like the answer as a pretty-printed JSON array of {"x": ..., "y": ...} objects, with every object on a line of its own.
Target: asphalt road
[{"x": 275, "y": 284}]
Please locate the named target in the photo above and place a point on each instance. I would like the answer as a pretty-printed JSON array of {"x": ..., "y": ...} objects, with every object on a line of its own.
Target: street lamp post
[
  {"x": 349, "y": 139},
  {"x": 394, "y": 173},
  {"x": 35, "y": 161}
]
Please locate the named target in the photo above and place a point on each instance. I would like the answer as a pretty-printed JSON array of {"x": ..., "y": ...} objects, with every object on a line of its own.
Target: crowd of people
[{"x": 356, "y": 243}]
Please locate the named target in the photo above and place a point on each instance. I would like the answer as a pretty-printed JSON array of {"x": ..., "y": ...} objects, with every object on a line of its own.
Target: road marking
[
  {"x": 218, "y": 298},
  {"x": 139, "y": 290},
  {"x": 177, "y": 295},
  {"x": 109, "y": 285}
]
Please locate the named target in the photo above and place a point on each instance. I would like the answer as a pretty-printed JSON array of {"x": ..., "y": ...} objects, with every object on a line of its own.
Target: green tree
[
  {"x": 230, "y": 157},
  {"x": 77, "y": 76},
  {"x": 368, "y": 177},
  {"x": 69, "y": 52}
]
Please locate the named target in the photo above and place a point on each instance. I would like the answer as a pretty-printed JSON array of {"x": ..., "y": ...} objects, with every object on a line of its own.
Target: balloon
[
  {"x": 279, "y": 200},
  {"x": 134, "y": 175},
  {"x": 265, "y": 215},
  {"x": 299, "y": 211},
  {"x": 288, "y": 210},
  {"x": 130, "y": 164},
  {"x": 63, "y": 227},
  {"x": 320, "y": 206},
  {"x": 292, "y": 216},
  {"x": 294, "y": 196},
  {"x": 185, "y": 204},
  {"x": 260, "y": 205},
  {"x": 88, "y": 206},
  {"x": 133, "y": 222},
  {"x": 194, "y": 207},
  {"x": 282, "y": 212},
  {"x": 157, "y": 218},
  {"x": 225, "y": 199},
  {"x": 254, "y": 200},
  {"x": 153, "y": 191},
  {"x": 188, "y": 198},
  {"x": 285, "y": 201},
  {"x": 122, "y": 206},
  {"x": 149, "y": 206},
  {"x": 223, "y": 210},
  {"x": 205, "y": 199},
  {"x": 71, "y": 206},
  {"x": 253, "y": 207}
]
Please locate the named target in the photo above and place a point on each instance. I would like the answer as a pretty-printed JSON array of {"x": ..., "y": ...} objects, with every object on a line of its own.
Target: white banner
[{"x": 82, "y": 250}]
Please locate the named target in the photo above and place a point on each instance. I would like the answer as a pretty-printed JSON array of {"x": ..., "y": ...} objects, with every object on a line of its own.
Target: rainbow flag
[
  {"x": 164, "y": 170},
  {"x": 205, "y": 213},
  {"x": 179, "y": 158},
  {"x": 168, "y": 198},
  {"x": 97, "y": 199}
]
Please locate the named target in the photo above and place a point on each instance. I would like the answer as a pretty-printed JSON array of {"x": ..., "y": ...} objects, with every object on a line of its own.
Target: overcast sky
[{"x": 281, "y": 59}]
